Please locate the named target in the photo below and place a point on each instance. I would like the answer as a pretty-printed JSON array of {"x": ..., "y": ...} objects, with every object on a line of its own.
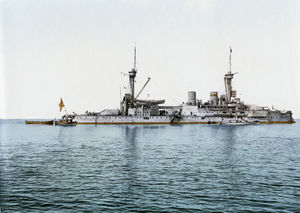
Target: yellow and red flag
[{"x": 61, "y": 104}]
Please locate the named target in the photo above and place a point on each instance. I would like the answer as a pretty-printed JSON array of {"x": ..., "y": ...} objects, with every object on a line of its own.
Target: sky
[{"x": 77, "y": 49}]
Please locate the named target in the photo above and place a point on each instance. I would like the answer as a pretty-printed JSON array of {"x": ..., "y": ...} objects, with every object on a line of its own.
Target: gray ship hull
[{"x": 109, "y": 120}]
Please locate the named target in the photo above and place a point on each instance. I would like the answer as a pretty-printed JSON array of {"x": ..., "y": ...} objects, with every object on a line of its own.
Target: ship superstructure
[{"x": 220, "y": 109}]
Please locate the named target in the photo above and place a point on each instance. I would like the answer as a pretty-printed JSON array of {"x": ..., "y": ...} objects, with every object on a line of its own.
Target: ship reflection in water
[{"x": 136, "y": 168}]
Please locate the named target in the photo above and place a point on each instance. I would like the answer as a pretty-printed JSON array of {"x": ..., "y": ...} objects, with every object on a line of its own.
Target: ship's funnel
[
  {"x": 192, "y": 98},
  {"x": 214, "y": 98}
]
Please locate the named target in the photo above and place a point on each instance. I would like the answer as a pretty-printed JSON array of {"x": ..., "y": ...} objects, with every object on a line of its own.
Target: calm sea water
[{"x": 167, "y": 168}]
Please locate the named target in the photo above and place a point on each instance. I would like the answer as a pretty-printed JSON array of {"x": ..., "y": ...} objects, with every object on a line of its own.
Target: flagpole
[{"x": 66, "y": 110}]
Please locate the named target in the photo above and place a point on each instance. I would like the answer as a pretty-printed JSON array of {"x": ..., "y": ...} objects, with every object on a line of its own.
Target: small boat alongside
[
  {"x": 67, "y": 120},
  {"x": 239, "y": 122},
  {"x": 40, "y": 122},
  {"x": 66, "y": 123}
]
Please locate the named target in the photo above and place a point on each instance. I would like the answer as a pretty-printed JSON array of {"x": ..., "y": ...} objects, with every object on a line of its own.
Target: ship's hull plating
[{"x": 167, "y": 120}]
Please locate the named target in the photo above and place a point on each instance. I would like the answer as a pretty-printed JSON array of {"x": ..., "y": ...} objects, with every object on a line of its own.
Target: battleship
[{"x": 226, "y": 109}]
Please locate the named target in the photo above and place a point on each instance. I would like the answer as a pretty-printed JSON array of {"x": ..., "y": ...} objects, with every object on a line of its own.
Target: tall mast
[
  {"x": 132, "y": 75},
  {"x": 230, "y": 60},
  {"x": 228, "y": 81},
  {"x": 134, "y": 65}
]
